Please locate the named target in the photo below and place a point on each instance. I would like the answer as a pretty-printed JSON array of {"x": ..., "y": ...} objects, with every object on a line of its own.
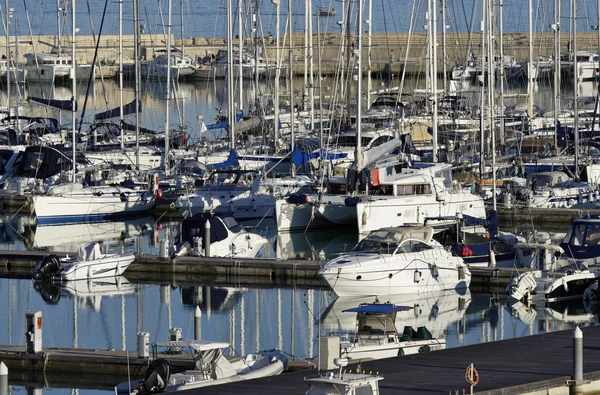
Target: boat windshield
[
  {"x": 379, "y": 242},
  {"x": 583, "y": 235},
  {"x": 232, "y": 224}
]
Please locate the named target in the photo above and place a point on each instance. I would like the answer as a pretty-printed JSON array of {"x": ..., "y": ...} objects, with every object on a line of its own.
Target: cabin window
[
  {"x": 385, "y": 190},
  {"x": 335, "y": 188},
  {"x": 592, "y": 236},
  {"x": 578, "y": 234},
  {"x": 418, "y": 189},
  {"x": 381, "y": 140},
  {"x": 413, "y": 246},
  {"x": 363, "y": 390}
]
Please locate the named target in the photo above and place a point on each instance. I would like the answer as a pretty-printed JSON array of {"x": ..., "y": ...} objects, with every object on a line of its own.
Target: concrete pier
[{"x": 388, "y": 52}]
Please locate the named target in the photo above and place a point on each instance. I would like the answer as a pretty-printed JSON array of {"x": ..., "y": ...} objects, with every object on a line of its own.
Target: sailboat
[{"x": 74, "y": 202}]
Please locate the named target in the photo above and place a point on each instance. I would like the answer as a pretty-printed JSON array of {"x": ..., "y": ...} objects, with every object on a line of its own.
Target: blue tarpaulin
[
  {"x": 377, "y": 308},
  {"x": 230, "y": 162}
]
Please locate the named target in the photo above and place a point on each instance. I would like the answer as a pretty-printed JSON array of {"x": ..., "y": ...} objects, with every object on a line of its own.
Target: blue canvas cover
[{"x": 377, "y": 308}]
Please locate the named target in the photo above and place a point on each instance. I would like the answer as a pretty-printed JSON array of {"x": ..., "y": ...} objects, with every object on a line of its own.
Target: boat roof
[
  {"x": 196, "y": 345},
  {"x": 377, "y": 308},
  {"x": 588, "y": 218},
  {"x": 347, "y": 379},
  {"x": 400, "y": 233}
]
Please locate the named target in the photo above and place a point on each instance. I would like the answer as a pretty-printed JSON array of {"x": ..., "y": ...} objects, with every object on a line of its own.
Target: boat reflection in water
[
  {"x": 434, "y": 312},
  {"x": 211, "y": 299},
  {"x": 88, "y": 292},
  {"x": 554, "y": 315}
]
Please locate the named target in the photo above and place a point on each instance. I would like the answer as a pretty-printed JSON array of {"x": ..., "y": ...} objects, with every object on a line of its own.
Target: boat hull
[{"x": 109, "y": 266}]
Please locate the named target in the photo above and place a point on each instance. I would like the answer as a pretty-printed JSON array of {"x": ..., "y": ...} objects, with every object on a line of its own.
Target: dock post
[
  {"x": 207, "y": 238},
  {"x": 198, "y": 323},
  {"x": 164, "y": 249},
  {"x": 577, "y": 385},
  {"x": 3, "y": 379}
]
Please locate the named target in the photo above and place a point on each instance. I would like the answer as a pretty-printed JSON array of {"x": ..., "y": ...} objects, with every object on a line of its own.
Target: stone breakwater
[{"x": 388, "y": 51}]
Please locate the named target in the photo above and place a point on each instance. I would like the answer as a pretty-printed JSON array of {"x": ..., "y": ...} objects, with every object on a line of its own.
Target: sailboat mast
[
  {"x": 168, "y": 96},
  {"x": 277, "y": 76},
  {"x": 434, "y": 120},
  {"x": 311, "y": 82},
  {"x": 444, "y": 54},
  {"x": 482, "y": 98},
  {"x": 230, "y": 109},
  {"x": 530, "y": 65},
  {"x": 556, "y": 88},
  {"x": 359, "y": 156},
  {"x": 136, "y": 50},
  {"x": 58, "y": 11},
  {"x": 491, "y": 80},
  {"x": 575, "y": 92},
  {"x": 369, "y": 43},
  {"x": 240, "y": 52},
  {"x": 291, "y": 77},
  {"x": 501, "y": 48},
  {"x": 121, "y": 115},
  {"x": 8, "y": 56},
  {"x": 73, "y": 86}
]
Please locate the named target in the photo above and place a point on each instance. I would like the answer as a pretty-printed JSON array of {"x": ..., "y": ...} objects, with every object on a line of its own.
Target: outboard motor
[
  {"x": 157, "y": 377},
  {"x": 49, "y": 268}
]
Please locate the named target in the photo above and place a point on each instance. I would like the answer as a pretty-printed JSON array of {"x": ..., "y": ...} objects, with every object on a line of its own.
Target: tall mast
[
  {"x": 359, "y": 154},
  {"x": 501, "y": 48},
  {"x": 556, "y": 88},
  {"x": 58, "y": 10},
  {"x": 121, "y": 115},
  {"x": 482, "y": 94},
  {"x": 277, "y": 74},
  {"x": 73, "y": 86},
  {"x": 434, "y": 120},
  {"x": 168, "y": 93},
  {"x": 291, "y": 78},
  {"x": 444, "y": 54},
  {"x": 240, "y": 52},
  {"x": 575, "y": 92},
  {"x": 311, "y": 82},
  {"x": 491, "y": 77},
  {"x": 230, "y": 107},
  {"x": 138, "y": 78},
  {"x": 8, "y": 55},
  {"x": 369, "y": 42},
  {"x": 530, "y": 65}
]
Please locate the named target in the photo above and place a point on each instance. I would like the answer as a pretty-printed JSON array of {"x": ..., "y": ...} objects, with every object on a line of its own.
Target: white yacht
[
  {"x": 396, "y": 261},
  {"x": 73, "y": 202},
  {"x": 376, "y": 335},
  {"x": 417, "y": 194},
  {"x": 358, "y": 383},
  {"x": 157, "y": 68},
  {"x": 244, "y": 194},
  {"x": 227, "y": 238},
  {"x": 89, "y": 263},
  {"x": 50, "y": 67}
]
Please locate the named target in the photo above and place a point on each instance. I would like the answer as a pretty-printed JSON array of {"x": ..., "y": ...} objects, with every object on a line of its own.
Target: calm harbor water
[
  {"x": 208, "y": 18},
  {"x": 108, "y": 316}
]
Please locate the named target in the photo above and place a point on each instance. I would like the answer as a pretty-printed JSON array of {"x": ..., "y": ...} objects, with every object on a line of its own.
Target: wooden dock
[
  {"x": 516, "y": 366},
  {"x": 531, "y": 364},
  {"x": 261, "y": 272}
]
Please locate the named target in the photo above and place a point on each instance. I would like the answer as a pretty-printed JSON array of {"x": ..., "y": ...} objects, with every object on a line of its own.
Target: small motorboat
[
  {"x": 568, "y": 282},
  {"x": 343, "y": 383},
  {"x": 376, "y": 335},
  {"x": 397, "y": 260},
  {"x": 227, "y": 238},
  {"x": 89, "y": 263},
  {"x": 210, "y": 367}
]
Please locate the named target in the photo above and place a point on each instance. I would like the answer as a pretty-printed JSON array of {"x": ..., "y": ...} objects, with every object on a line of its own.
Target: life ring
[{"x": 471, "y": 375}]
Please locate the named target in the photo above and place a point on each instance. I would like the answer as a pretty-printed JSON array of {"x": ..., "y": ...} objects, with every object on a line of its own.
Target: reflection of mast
[
  {"x": 10, "y": 311},
  {"x": 257, "y": 318},
  {"x": 243, "y": 325},
  {"x": 311, "y": 326},
  {"x": 279, "y": 326},
  {"x": 123, "y": 341},
  {"x": 293, "y": 325}
]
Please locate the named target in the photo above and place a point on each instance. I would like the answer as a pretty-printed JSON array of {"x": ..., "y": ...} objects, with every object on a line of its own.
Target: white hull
[
  {"x": 88, "y": 204},
  {"x": 376, "y": 213},
  {"x": 380, "y": 349},
  {"x": 245, "y": 205},
  {"x": 368, "y": 274},
  {"x": 291, "y": 216},
  {"x": 108, "y": 266}
]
